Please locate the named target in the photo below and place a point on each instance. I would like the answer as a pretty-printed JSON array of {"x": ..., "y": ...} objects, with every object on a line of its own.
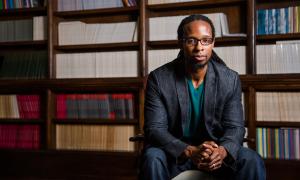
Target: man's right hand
[{"x": 202, "y": 156}]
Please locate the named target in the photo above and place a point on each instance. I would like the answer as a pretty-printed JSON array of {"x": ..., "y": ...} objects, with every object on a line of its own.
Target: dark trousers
[{"x": 157, "y": 165}]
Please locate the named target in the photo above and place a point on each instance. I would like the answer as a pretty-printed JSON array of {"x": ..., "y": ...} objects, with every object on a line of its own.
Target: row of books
[
  {"x": 280, "y": 58},
  {"x": 278, "y": 21},
  {"x": 97, "y": 64},
  {"x": 165, "y": 28},
  {"x": 77, "y": 32},
  {"x": 278, "y": 106},
  {"x": 169, "y": 1},
  {"x": 278, "y": 143},
  {"x": 19, "y": 136},
  {"x": 77, "y": 5},
  {"x": 24, "y": 29},
  {"x": 13, "y": 4},
  {"x": 23, "y": 65},
  {"x": 271, "y": 59},
  {"x": 234, "y": 57},
  {"x": 106, "y": 106},
  {"x": 20, "y": 106},
  {"x": 95, "y": 137}
]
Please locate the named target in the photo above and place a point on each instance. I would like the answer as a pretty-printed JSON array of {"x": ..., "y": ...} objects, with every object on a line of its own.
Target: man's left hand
[{"x": 214, "y": 161}]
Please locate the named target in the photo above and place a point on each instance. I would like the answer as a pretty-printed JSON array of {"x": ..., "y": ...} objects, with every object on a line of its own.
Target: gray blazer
[{"x": 167, "y": 107}]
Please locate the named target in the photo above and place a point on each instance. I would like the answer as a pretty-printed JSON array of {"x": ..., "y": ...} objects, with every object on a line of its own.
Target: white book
[
  {"x": 169, "y": 1},
  {"x": 77, "y": 32},
  {"x": 97, "y": 64},
  {"x": 16, "y": 112},
  {"x": 76, "y": 5},
  {"x": 39, "y": 28},
  {"x": 117, "y": 64},
  {"x": 76, "y": 65},
  {"x": 234, "y": 57},
  {"x": 165, "y": 28},
  {"x": 157, "y": 58}
]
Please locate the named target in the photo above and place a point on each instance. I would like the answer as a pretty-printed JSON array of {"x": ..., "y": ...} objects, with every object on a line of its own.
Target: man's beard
[{"x": 194, "y": 66}]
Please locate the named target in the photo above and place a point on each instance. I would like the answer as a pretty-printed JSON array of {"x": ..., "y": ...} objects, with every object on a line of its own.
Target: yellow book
[{"x": 277, "y": 143}]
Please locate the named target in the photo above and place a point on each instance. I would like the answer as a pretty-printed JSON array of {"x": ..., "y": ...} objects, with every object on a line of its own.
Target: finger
[
  {"x": 215, "y": 154},
  {"x": 212, "y": 143},
  {"x": 205, "y": 155},
  {"x": 215, "y": 161},
  {"x": 208, "y": 146},
  {"x": 203, "y": 165},
  {"x": 214, "y": 167},
  {"x": 207, "y": 151}
]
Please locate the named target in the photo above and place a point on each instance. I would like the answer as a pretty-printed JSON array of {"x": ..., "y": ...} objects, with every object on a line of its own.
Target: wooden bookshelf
[
  {"x": 22, "y": 13},
  {"x": 49, "y": 162}
]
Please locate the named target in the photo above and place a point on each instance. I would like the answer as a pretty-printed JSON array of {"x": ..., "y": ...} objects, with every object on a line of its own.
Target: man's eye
[
  {"x": 205, "y": 40},
  {"x": 191, "y": 41}
]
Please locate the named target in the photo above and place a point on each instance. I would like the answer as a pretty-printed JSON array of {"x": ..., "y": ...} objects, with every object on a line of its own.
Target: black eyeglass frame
[{"x": 194, "y": 41}]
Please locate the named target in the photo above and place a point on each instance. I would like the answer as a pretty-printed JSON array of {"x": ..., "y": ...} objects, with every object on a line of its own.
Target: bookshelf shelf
[
  {"x": 223, "y": 41},
  {"x": 64, "y": 84},
  {"x": 194, "y": 5},
  {"x": 162, "y": 44},
  {"x": 272, "y": 82},
  {"x": 97, "y": 121},
  {"x": 21, "y": 121},
  {"x": 98, "y": 47},
  {"x": 96, "y": 84},
  {"x": 42, "y": 44},
  {"x": 271, "y": 39},
  {"x": 22, "y": 12},
  {"x": 97, "y": 12},
  {"x": 275, "y": 167},
  {"x": 69, "y": 163},
  {"x": 277, "y": 124},
  {"x": 266, "y": 4}
]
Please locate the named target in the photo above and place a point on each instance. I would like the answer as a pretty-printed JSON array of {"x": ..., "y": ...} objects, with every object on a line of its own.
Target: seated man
[{"x": 193, "y": 113}]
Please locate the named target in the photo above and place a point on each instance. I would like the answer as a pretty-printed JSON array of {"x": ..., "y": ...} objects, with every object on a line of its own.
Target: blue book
[
  {"x": 266, "y": 21},
  {"x": 286, "y": 16},
  {"x": 278, "y": 23},
  {"x": 10, "y": 4},
  {"x": 261, "y": 22},
  {"x": 271, "y": 21}
]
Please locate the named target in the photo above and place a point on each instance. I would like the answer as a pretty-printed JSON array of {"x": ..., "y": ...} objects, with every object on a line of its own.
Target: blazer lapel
[
  {"x": 209, "y": 97},
  {"x": 182, "y": 93}
]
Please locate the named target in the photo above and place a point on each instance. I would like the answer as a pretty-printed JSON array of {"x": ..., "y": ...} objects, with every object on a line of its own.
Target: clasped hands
[{"x": 208, "y": 156}]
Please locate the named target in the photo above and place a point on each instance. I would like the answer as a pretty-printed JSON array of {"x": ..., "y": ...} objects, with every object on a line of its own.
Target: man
[{"x": 193, "y": 113}]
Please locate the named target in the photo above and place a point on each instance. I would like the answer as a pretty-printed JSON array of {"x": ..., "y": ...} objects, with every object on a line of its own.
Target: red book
[{"x": 61, "y": 107}]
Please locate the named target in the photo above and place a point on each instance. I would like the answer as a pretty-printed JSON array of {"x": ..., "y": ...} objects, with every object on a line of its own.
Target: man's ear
[{"x": 213, "y": 43}]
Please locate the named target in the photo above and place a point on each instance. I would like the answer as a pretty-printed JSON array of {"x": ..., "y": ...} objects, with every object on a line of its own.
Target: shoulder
[
  {"x": 166, "y": 70},
  {"x": 223, "y": 71},
  {"x": 228, "y": 80}
]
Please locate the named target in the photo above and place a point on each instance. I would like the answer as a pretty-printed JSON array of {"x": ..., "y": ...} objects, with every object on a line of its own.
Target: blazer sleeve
[
  {"x": 232, "y": 121},
  {"x": 156, "y": 120}
]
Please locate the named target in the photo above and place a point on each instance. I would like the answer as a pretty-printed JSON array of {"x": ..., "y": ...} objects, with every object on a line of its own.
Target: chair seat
[{"x": 194, "y": 175}]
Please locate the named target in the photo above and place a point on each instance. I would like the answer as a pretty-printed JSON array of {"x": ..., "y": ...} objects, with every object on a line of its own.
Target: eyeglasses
[{"x": 194, "y": 42}]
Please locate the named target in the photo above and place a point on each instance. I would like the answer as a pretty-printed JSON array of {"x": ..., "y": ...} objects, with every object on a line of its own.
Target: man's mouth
[{"x": 199, "y": 57}]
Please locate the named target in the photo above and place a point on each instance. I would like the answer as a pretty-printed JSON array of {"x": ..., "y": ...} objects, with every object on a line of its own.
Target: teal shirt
[{"x": 191, "y": 131}]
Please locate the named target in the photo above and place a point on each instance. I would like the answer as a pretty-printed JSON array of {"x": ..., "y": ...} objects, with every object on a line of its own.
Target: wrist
[
  {"x": 189, "y": 150},
  {"x": 223, "y": 152}
]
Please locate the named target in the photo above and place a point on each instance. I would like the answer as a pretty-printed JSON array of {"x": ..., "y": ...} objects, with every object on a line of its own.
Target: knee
[
  {"x": 250, "y": 158},
  {"x": 154, "y": 156}
]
